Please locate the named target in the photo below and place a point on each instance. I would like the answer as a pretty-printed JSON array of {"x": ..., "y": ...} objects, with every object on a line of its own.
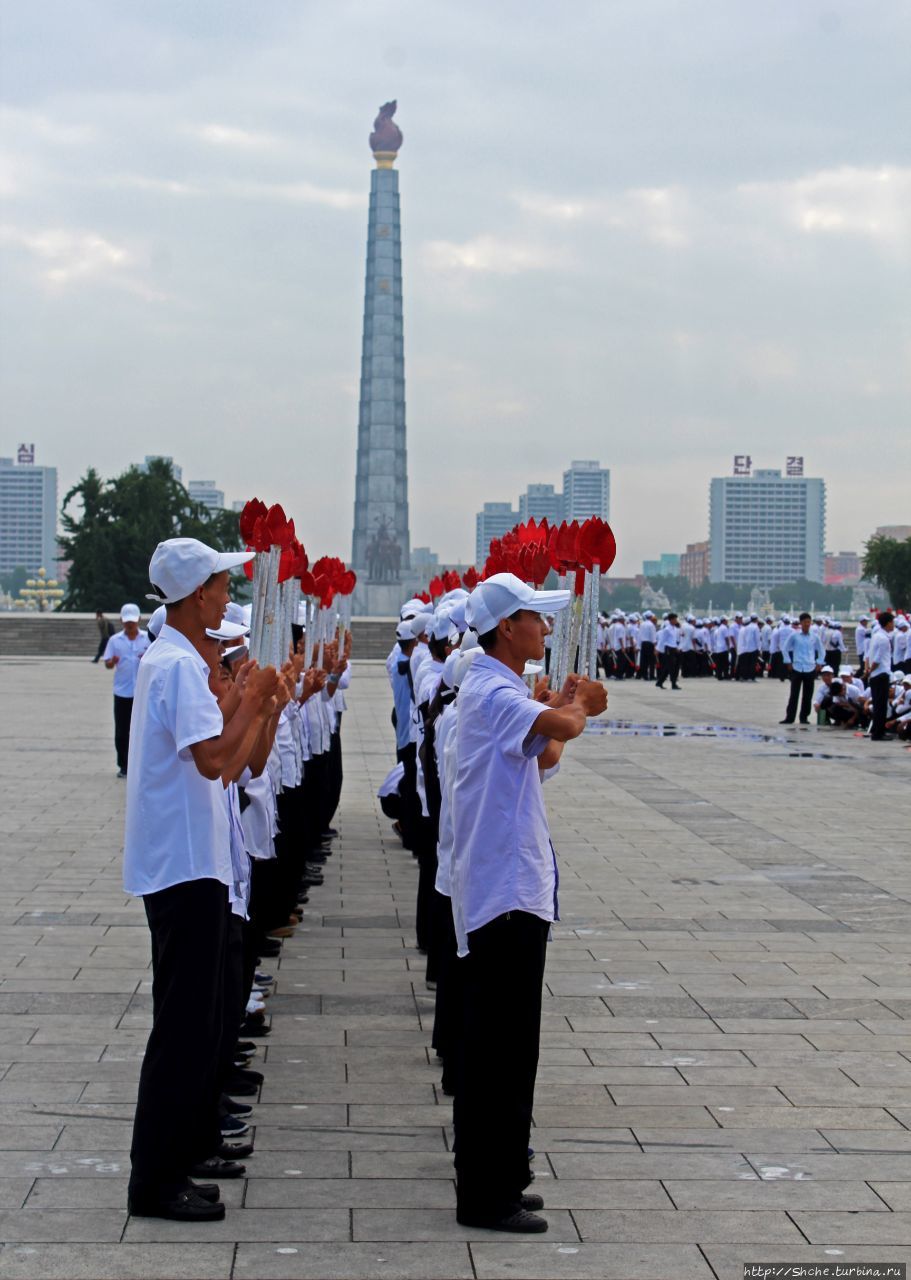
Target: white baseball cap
[
  {"x": 420, "y": 623},
  {"x": 462, "y": 666},
  {"x": 157, "y": 621},
  {"x": 827, "y": 670},
  {"x": 411, "y": 607},
  {"x": 129, "y": 613},
  {"x": 403, "y": 630},
  {"x": 227, "y": 631},
  {"x": 180, "y": 565},
  {"x": 504, "y": 594}
]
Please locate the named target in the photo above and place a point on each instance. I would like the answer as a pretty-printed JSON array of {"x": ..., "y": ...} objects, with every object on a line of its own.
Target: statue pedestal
[{"x": 383, "y": 599}]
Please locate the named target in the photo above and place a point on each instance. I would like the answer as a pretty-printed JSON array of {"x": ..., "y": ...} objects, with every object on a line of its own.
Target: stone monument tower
[{"x": 381, "y": 545}]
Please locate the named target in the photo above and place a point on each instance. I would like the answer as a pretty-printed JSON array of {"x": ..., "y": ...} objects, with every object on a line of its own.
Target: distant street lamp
[{"x": 39, "y": 592}]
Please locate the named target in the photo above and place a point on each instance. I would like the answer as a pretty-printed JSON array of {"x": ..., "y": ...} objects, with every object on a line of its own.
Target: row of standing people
[{"x": 233, "y": 776}]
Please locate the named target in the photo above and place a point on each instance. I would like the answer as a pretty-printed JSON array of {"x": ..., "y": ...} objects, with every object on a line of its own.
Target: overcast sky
[{"x": 653, "y": 232}]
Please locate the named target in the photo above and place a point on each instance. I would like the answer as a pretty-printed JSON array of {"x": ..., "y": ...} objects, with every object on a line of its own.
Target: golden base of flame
[{"x": 385, "y": 159}]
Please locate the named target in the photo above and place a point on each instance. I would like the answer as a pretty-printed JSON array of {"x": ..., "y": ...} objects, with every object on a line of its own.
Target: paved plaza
[{"x": 726, "y": 1068}]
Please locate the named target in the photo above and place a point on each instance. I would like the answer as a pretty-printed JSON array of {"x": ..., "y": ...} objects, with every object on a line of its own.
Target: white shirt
[
  {"x": 720, "y": 639},
  {"x": 176, "y": 822},
  {"x": 128, "y": 653},
  {"x": 879, "y": 653},
  {"x": 502, "y": 856},
  {"x": 647, "y": 632},
  {"x": 667, "y": 637},
  {"x": 860, "y": 639},
  {"x": 900, "y": 645},
  {"x": 748, "y": 639},
  {"x": 445, "y": 741}
]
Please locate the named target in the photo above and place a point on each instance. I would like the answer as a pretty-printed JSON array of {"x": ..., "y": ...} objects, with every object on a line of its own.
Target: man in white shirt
[
  {"x": 748, "y": 641},
  {"x": 121, "y": 655},
  {"x": 177, "y": 858},
  {"x": 878, "y": 662},
  {"x": 861, "y": 634},
  {"x": 504, "y": 885},
  {"x": 668, "y": 652},
  {"x": 648, "y": 634}
]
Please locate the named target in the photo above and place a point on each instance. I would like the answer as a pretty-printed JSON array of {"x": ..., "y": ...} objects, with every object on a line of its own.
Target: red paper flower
[
  {"x": 436, "y": 587},
  {"x": 470, "y": 579},
  {"x": 597, "y": 545},
  {"x": 252, "y": 511}
]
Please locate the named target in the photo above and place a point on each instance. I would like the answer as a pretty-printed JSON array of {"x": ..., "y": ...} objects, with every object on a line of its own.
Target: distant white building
[
  {"x": 204, "y": 491},
  {"x": 540, "y": 502},
  {"x": 586, "y": 491},
  {"x": 496, "y": 519},
  {"x": 766, "y": 528},
  {"x": 28, "y": 514}
]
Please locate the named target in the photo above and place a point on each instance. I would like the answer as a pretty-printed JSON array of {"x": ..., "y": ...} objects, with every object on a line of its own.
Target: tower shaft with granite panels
[{"x": 381, "y": 539}]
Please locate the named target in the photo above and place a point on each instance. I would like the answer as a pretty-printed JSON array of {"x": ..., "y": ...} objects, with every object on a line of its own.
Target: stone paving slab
[{"x": 726, "y": 1055}]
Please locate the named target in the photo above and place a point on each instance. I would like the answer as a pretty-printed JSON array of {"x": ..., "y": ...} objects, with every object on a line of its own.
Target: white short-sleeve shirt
[
  {"x": 502, "y": 858},
  {"x": 177, "y": 826},
  {"x": 128, "y": 653}
]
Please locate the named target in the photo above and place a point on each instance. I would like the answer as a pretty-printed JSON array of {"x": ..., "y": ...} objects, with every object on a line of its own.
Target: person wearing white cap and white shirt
[
  {"x": 748, "y": 643},
  {"x": 835, "y": 646},
  {"x": 668, "y": 650},
  {"x": 861, "y": 636},
  {"x": 878, "y": 665},
  {"x": 122, "y": 655},
  {"x": 648, "y": 634},
  {"x": 504, "y": 883},
  {"x": 901, "y": 655},
  {"x": 177, "y": 858}
]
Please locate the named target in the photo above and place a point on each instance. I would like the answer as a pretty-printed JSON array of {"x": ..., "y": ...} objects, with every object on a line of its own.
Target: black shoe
[
  {"x": 804, "y": 721},
  {"x": 245, "y": 1046},
  {"x": 253, "y": 1026},
  {"x": 121, "y": 773},
  {"x": 271, "y": 948},
  {"x": 674, "y": 686},
  {"x": 242, "y": 1088},
  {"x": 331, "y": 832},
  {"x": 519, "y": 1221},
  {"x": 785, "y": 721},
  {"x": 186, "y": 1206},
  {"x": 231, "y": 1107},
  {"x": 216, "y": 1167},
  {"x": 247, "y": 1076},
  {"x": 205, "y": 1190},
  {"x": 232, "y": 1127},
  {"x": 233, "y": 1151},
  {"x": 658, "y": 685},
  {"x": 530, "y": 1201}
]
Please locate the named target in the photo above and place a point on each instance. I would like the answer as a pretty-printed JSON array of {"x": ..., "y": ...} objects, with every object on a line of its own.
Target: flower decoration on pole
[{"x": 579, "y": 554}]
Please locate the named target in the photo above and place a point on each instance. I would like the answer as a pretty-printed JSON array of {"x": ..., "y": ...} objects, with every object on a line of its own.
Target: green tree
[
  {"x": 13, "y": 582},
  {"x": 888, "y": 562},
  {"x": 110, "y": 538},
  {"x": 722, "y": 596}
]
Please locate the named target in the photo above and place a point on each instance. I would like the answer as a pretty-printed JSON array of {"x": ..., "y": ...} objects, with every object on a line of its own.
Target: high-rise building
[
  {"x": 897, "y": 531},
  {"x": 841, "y": 567},
  {"x": 28, "y": 514},
  {"x": 666, "y": 566},
  {"x": 695, "y": 563},
  {"x": 586, "y": 491},
  {"x": 766, "y": 529},
  {"x": 541, "y": 502},
  {"x": 204, "y": 491},
  {"x": 424, "y": 558},
  {"x": 238, "y": 505},
  {"x": 162, "y": 457},
  {"x": 496, "y": 519}
]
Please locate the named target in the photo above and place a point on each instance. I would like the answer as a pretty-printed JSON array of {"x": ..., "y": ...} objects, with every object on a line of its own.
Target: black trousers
[
  {"x": 447, "y": 1010},
  {"x": 879, "y": 695},
  {"x": 176, "y": 1123},
  {"x": 502, "y": 977},
  {"x": 335, "y": 774},
  {"x": 802, "y": 683},
  {"x": 123, "y": 714},
  {"x": 647, "y": 660},
  {"x": 669, "y": 666}
]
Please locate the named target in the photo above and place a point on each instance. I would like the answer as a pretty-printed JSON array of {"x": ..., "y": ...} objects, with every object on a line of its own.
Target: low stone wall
[{"x": 73, "y": 635}]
